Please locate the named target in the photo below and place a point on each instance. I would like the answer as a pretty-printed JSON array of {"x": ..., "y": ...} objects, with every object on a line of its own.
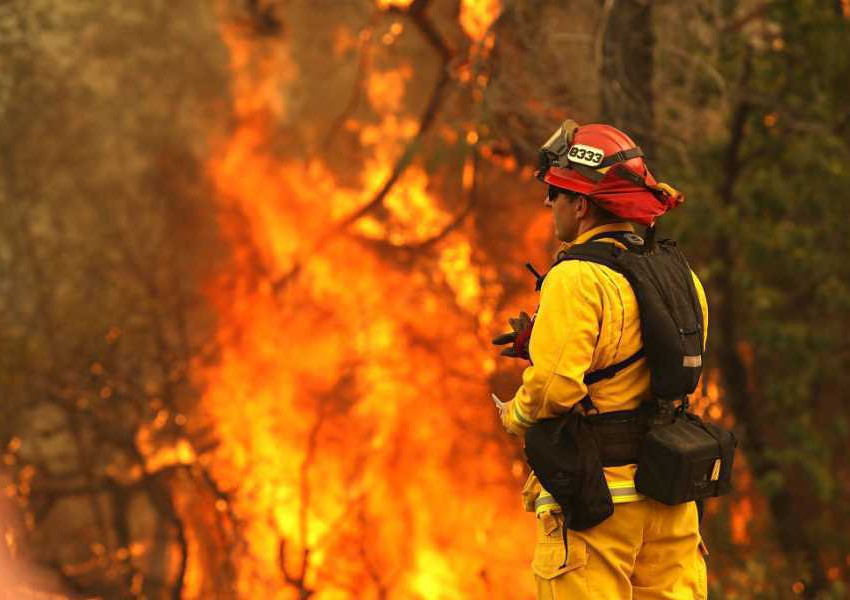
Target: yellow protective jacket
[{"x": 588, "y": 319}]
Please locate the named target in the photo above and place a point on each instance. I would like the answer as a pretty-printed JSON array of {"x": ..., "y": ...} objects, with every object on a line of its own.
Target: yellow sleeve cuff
[{"x": 514, "y": 420}]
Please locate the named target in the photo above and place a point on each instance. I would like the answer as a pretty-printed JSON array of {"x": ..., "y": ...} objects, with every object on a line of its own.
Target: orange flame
[
  {"x": 360, "y": 453},
  {"x": 351, "y": 393},
  {"x": 476, "y": 16}
]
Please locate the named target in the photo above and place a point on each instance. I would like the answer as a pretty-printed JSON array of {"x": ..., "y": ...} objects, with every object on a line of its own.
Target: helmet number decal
[{"x": 585, "y": 155}]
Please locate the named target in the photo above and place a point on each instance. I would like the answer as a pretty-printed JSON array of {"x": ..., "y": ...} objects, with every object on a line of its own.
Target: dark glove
[{"x": 518, "y": 338}]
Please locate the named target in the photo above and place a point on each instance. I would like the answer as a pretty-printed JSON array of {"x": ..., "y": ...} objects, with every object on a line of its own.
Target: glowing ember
[
  {"x": 476, "y": 16},
  {"x": 396, "y": 3},
  {"x": 386, "y": 88}
]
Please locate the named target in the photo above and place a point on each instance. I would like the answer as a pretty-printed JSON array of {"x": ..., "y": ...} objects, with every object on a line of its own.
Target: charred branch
[
  {"x": 263, "y": 19},
  {"x": 363, "y": 63},
  {"x": 407, "y": 252},
  {"x": 296, "y": 581},
  {"x": 120, "y": 501},
  {"x": 416, "y": 13},
  {"x": 375, "y": 574},
  {"x": 157, "y": 491},
  {"x": 305, "y": 491}
]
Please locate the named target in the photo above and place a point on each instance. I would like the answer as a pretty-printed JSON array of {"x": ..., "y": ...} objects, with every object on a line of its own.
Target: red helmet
[{"x": 603, "y": 163}]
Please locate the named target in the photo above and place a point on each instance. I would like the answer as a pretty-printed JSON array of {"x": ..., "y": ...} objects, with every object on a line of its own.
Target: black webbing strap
[
  {"x": 588, "y": 405},
  {"x": 631, "y": 176},
  {"x": 576, "y": 253},
  {"x": 594, "y": 173},
  {"x": 621, "y": 156},
  {"x": 606, "y": 373},
  {"x": 620, "y": 236},
  {"x": 610, "y": 251},
  {"x": 609, "y": 372},
  {"x": 588, "y": 172}
]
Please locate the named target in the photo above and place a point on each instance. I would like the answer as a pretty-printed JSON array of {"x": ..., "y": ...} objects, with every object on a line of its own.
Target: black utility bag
[
  {"x": 564, "y": 456},
  {"x": 686, "y": 459},
  {"x": 680, "y": 458}
]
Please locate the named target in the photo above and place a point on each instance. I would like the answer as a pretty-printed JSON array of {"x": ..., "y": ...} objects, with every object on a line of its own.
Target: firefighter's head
[{"x": 600, "y": 172}]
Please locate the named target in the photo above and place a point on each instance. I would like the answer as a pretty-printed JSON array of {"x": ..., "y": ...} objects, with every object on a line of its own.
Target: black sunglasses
[{"x": 553, "y": 192}]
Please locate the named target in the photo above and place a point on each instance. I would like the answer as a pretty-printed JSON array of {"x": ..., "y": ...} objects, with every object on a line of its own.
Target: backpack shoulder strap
[
  {"x": 594, "y": 250},
  {"x": 603, "y": 253}
]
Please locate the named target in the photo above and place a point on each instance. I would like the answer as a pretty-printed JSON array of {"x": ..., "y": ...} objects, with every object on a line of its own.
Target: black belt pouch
[
  {"x": 619, "y": 436},
  {"x": 563, "y": 454},
  {"x": 685, "y": 460}
]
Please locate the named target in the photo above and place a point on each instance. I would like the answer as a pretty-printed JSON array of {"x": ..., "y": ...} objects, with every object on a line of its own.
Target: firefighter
[{"x": 588, "y": 319}]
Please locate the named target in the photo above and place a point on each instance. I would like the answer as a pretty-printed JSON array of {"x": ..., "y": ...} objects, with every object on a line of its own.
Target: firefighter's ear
[{"x": 582, "y": 206}]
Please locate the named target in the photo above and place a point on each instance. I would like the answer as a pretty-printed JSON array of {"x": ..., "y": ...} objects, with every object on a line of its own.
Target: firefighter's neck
[{"x": 588, "y": 223}]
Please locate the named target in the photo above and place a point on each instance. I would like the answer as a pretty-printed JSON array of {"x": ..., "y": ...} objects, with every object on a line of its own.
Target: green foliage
[{"x": 787, "y": 225}]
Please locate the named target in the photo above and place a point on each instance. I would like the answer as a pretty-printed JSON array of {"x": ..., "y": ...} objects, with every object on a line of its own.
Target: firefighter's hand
[
  {"x": 518, "y": 338},
  {"x": 504, "y": 409}
]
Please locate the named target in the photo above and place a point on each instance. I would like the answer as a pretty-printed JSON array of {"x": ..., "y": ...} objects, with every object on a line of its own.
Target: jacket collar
[{"x": 609, "y": 227}]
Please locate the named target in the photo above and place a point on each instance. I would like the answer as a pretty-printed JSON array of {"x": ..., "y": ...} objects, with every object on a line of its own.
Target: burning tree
[
  {"x": 354, "y": 346},
  {"x": 249, "y": 349}
]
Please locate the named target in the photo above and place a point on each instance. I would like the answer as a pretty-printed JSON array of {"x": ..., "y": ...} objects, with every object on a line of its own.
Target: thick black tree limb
[{"x": 363, "y": 63}]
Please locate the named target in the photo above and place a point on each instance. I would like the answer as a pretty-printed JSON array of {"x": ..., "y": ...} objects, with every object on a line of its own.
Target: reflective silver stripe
[
  {"x": 623, "y": 491},
  {"x": 521, "y": 418},
  {"x": 616, "y": 492},
  {"x": 544, "y": 501},
  {"x": 692, "y": 361}
]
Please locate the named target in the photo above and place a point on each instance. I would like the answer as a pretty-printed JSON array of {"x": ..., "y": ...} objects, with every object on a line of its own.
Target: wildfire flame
[
  {"x": 476, "y": 16},
  {"x": 364, "y": 458},
  {"x": 360, "y": 456}
]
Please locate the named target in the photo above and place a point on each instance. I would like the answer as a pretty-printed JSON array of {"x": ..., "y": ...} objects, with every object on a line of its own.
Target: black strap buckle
[
  {"x": 621, "y": 156},
  {"x": 588, "y": 406}
]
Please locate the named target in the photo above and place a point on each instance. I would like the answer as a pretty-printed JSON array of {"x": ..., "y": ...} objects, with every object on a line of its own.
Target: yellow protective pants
[{"x": 645, "y": 550}]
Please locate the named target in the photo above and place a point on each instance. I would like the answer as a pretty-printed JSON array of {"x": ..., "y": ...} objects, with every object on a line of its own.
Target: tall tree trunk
[{"x": 628, "y": 46}]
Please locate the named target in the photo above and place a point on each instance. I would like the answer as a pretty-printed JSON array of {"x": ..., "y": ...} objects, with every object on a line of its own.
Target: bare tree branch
[
  {"x": 363, "y": 64},
  {"x": 416, "y": 12},
  {"x": 429, "y": 243}
]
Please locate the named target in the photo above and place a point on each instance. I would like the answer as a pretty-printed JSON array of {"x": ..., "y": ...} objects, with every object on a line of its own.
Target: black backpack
[
  {"x": 680, "y": 458},
  {"x": 670, "y": 312}
]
